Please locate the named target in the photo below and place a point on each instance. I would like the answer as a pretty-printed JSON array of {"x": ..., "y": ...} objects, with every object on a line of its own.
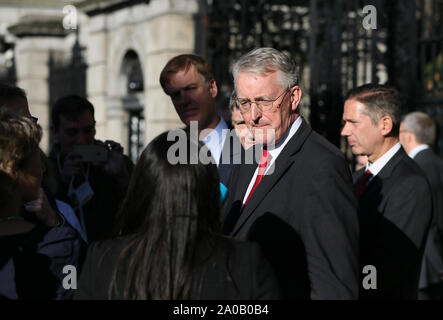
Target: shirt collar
[
  {"x": 417, "y": 149},
  {"x": 275, "y": 151},
  {"x": 376, "y": 167}
]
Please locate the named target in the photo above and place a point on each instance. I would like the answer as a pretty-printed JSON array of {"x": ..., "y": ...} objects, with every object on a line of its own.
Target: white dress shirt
[
  {"x": 376, "y": 167},
  {"x": 274, "y": 151},
  {"x": 417, "y": 149},
  {"x": 216, "y": 138}
]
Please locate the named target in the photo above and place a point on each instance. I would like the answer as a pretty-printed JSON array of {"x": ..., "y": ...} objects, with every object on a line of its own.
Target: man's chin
[
  {"x": 264, "y": 136},
  {"x": 187, "y": 121},
  {"x": 356, "y": 151}
]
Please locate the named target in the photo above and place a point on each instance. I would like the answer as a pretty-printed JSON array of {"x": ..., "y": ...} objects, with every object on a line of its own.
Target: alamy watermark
[
  {"x": 369, "y": 281},
  {"x": 370, "y": 19},
  {"x": 70, "y": 18},
  {"x": 70, "y": 280},
  {"x": 182, "y": 152}
]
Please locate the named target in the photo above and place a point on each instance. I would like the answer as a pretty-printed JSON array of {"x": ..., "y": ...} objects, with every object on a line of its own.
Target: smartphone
[{"x": 90, "y": 153}]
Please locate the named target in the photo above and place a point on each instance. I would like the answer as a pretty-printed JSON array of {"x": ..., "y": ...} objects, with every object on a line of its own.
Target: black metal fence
[{"x": 334, "y": 50}]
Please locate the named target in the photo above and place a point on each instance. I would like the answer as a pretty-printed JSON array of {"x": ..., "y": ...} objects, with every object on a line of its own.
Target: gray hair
[
  {"x": 421, "y": 125},
  {"x": 262, "y": 61}
]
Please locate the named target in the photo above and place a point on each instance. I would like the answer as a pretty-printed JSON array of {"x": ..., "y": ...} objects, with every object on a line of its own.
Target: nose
[
  {"x": 255, "y": 112},
  {"x": 345, "y": 130},
  {"x": 181, "y": 99}
]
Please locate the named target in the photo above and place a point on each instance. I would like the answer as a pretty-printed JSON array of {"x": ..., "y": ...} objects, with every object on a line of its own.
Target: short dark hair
[
  {"x": 72, "y": 107},
  {"x": 8, "y": 92},
  {"x": 379, "y": 100},
  {"x": 184, "y": 62}
]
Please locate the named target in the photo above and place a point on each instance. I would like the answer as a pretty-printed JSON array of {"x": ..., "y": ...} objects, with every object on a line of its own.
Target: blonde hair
[{"x": 19, "y": 139}]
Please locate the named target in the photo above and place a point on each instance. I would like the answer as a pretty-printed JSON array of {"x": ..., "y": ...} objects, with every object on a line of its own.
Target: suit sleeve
[
  {"x": 410, "y": 208},
  {"x": 330, "y": 233}
]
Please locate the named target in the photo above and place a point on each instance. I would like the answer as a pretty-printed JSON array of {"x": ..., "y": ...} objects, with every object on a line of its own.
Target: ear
[
  {"x": 385, "y": 124},
  {"x": 295, "y": 95},
  {"x": 213, "y": 90}
]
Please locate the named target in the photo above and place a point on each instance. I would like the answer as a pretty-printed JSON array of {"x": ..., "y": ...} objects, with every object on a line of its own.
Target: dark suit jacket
[
  {"x": 432, "y": 266},
  {"x": 232, "y": 150},
  {"x": 395, "y": 214},
  {"x": 242, "y": 274},
  {"x": 304, "y": 217}
]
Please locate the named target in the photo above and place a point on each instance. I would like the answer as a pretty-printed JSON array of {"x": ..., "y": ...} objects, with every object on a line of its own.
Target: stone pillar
[
  {"x": 96, "y": 80},
  {"x": 170, "y": 31},
  {"x": 37, "y": 37},
  {"x": 156, "y": 31}
]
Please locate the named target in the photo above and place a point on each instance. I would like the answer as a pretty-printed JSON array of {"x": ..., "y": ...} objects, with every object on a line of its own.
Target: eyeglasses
[{"x": 244, "y": 105}]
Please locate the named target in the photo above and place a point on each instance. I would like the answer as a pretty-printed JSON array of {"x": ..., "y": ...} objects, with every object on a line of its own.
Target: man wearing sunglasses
[{"x": 298, "y": 202}]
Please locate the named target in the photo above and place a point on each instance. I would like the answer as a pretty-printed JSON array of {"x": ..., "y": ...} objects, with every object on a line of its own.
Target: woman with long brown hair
[{"x": 170, "y": 244}]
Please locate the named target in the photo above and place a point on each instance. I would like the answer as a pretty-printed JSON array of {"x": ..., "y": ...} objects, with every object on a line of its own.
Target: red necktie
[
  {"x": 361, "y": 184},
  {"x": 265, "y": 158}
]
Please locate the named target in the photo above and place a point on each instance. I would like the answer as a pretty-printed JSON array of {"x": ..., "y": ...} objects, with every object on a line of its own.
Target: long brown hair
[{"x": 170, "y": 213}]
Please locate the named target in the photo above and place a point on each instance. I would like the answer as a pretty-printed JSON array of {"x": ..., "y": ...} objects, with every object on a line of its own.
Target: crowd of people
[{"x": 294, "y": 223}]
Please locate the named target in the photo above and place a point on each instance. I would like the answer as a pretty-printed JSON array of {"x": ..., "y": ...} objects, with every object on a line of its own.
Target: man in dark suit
[
  {"x": 394, "y": 195},
  {"x": 417, "y": 134},
  {"x": 188, "y": 80},
  {"x": 298, "y": 202}
]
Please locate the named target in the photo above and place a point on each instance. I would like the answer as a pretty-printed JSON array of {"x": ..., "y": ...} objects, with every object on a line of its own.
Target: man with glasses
[
  {"x": 298, "y": 203},
  {"x": 15, "y": 101}
]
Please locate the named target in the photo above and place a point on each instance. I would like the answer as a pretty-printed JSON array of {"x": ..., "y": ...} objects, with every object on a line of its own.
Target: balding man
[{"x": 417, "y": 135}]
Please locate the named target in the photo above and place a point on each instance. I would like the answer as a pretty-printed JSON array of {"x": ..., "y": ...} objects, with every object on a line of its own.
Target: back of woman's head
[
  {"x": 162, "y": 192},
  {"x": 171, "y": 209},
  {"x": 19, "y": 139}
]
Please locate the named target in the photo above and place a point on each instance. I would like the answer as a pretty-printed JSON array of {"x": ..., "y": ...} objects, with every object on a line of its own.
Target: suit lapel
[
  {"x": 392, "y": 163},
  {"x": 385, "y": 173},
  {"x": 283, "y": 162},
  {"x": 232, "y": 151}
]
